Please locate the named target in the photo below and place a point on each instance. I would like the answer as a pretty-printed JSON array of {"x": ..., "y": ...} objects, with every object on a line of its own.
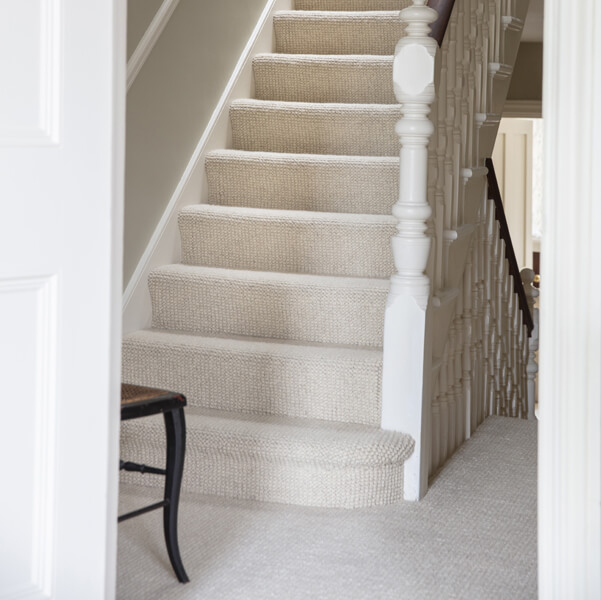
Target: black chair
[{"x": 138, "y": 401}]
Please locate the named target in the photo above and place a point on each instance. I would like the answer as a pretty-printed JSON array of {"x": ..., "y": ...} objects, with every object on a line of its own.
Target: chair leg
[{"x": 175, "y": 427}]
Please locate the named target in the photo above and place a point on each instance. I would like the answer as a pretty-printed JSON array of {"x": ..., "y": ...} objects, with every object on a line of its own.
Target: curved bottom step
[{"x": 277, "y": 459}]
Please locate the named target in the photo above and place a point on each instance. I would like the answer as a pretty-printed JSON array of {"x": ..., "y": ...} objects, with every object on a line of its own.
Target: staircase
[{"x": 272, "y": 325}]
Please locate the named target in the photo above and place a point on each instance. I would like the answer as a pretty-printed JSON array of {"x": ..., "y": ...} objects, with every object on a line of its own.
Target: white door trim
[{"x": 569, "y": 492}]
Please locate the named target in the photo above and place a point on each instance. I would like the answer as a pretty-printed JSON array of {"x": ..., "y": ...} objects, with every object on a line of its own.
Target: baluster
[
  {"x": 479, "y": 321},
  {"x": 462, "y": 433},
  {"x": 489, "y": 222},
  {"x": 435, "y": 452},
  {"x": 451, "y": 400},
  {"x": 467, "y": 343},
  {"x": 443, "y": 447},
  {"x": 532, "y": 366},
  {"x": 441, "y": 150},
  {"x": 500, "y": 311}
]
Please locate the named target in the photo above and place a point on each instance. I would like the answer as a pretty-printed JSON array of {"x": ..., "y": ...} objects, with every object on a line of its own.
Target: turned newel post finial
[{"x": 413, "y": 77}]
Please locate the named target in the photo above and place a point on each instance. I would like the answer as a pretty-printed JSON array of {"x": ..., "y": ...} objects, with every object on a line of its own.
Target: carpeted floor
[{"x": 473, "y": 537}]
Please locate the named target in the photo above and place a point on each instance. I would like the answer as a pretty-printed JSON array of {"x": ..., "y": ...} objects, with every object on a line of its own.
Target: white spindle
[{"x": 532, "y": 367}]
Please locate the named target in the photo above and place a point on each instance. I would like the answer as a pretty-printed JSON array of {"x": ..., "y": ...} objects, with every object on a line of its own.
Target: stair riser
[
  {"x": 287, "y": 246},
  {"x": 223, "y": 307},
  {"x": 250, "y": 476},
  {"x": 346, "y": 131},
  {"x": 334, "y": 187},
  {"x": 300, "y": 34},
  {"x": 346, "y": 391},
  {"x": 302, "y": 81}
]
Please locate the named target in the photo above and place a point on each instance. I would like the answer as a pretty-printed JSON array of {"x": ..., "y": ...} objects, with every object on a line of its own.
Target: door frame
[
  {"x": 62, "y": 140},
  {"x": 569, "y": 490}
]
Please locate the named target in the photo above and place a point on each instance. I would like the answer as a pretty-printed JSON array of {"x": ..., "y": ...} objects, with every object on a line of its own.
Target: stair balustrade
[{"x": 456, "y": 335}]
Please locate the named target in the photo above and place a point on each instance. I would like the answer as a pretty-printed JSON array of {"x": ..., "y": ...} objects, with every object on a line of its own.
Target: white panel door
[
  {"x": 61, "y": 153},
  {"x": 512, "y": 158}
]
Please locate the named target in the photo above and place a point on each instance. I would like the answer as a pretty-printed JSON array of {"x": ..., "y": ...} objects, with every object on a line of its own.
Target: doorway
[{"x": 518, "y": 160}]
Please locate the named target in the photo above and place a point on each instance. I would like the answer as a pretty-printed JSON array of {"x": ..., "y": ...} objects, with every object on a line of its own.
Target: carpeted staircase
[{"x": 272, "y": 324}]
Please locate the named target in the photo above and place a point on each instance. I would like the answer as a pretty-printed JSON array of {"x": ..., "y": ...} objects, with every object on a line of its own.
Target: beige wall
[
  {"x": 527, "y": 78},
  {"x": 139, "y": 17},
  {"x": 170, "y": 103}
]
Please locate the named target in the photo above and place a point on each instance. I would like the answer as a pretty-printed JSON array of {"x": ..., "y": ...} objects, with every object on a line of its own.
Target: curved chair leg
[{"x": 175, "y": 427}]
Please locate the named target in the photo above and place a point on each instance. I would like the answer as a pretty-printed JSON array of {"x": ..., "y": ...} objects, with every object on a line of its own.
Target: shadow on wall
[{"x": 527, "y": 78}]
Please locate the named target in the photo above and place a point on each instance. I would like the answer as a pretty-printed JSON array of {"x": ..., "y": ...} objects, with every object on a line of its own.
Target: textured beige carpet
[{"x": 472, "y": 537}]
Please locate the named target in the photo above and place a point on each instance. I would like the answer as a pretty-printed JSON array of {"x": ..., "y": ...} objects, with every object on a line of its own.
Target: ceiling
[{"x": 533, "y": 28}]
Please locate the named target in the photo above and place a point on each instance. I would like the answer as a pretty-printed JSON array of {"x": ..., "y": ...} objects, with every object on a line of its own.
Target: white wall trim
[
  {"x": 569, "y": 493},
  {"x": 523, "y": 109},
  {"x": 163, "y": 247},
  {"x": 149, "y": 39}
]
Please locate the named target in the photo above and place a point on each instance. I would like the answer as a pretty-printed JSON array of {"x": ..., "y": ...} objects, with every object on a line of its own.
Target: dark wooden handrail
[
  {"x": 495, "y": 194},
  {"x": 439, "y": 27}
]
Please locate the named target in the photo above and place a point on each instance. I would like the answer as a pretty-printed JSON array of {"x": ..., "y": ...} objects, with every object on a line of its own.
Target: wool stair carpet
[{"x": 272, "y": 324}]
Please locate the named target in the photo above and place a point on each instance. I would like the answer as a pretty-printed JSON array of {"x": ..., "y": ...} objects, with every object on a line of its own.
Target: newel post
[{"x": 406, "y": 396}]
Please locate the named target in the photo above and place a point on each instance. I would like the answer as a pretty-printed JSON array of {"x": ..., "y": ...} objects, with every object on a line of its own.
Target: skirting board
[{"x": 192, "y": 188}]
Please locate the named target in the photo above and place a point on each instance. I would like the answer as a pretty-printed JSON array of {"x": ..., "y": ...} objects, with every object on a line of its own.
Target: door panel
[{"x": 62, "y": 66}]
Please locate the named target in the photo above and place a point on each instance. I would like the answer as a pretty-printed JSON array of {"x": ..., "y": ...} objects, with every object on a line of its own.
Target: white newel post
[{"x": 407, "y": 362}]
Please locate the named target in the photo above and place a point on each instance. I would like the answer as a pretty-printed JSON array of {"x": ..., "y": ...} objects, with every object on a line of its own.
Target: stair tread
[
  {"x": 342, "y": 78},
  {"x": 275, "y": 437},
  {"x": 337, "y": 32},
  {"x": 253, "y": 345},
  {"x": 274, "y": 278},
  {"x": 306, "y": 307},
  {"x": 339, "y": 15},
  {"x": 259, "y": 375},
  {"x": 287, "y": 241},
  {"x": 325, "y": 59},
  {"x": 302, "y": 158},
  {"x": 316, "y": 182},
  {"x": 349, "y": 5},
  {"x": 314, "y": 107},
  {"x": 286, "y": 215},
  {"x": 315, "y": 127}
]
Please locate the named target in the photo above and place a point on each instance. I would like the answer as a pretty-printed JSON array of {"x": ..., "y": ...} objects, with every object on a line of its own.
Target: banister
[
  {"x": 444, "y": 9},
  {"x": 494, "y": 194},
  {"x": 470, "y": 336}
]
